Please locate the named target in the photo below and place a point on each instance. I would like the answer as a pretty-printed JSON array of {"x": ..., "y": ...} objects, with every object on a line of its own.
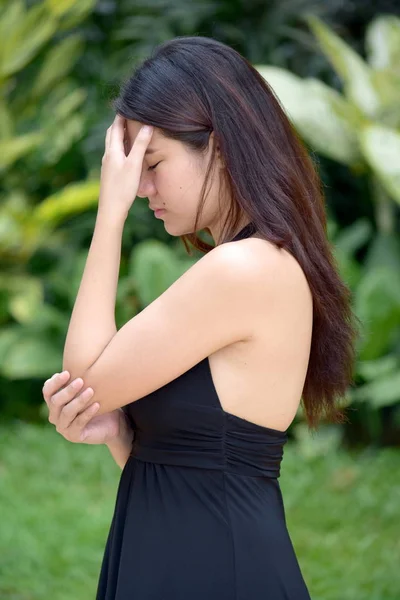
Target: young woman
[{"x": 195, "y": 394}]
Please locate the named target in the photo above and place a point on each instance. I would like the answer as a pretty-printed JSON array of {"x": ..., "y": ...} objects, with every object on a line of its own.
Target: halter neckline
[{"x": 245, "y": 232}]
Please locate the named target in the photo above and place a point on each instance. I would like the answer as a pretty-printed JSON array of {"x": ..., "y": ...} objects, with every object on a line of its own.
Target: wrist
[
  {"x": 125, "y": 433},
  {"x": 110, "y": 219}
]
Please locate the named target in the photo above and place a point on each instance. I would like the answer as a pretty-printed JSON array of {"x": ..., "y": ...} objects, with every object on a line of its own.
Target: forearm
[
  {"x": 121, "y": 446},
  {"x": 92, "y": 324}
]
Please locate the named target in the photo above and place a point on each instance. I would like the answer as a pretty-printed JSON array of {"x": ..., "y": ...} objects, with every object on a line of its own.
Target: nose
[{"x": 146, "y": 186}]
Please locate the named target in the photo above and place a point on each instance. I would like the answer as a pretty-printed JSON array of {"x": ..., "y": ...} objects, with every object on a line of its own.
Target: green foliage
[
  {"x": 54, "y": 90},
  {"x": 154, "y": 267}
]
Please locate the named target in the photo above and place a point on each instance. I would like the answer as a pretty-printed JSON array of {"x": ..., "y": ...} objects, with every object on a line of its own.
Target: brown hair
[{"x": 191, "y": 86}]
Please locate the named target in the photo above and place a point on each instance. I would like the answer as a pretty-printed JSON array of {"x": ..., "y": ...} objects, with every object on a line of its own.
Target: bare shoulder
[{"x": 269, "y": 268}]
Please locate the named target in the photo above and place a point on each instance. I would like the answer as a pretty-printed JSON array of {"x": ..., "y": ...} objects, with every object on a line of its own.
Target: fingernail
[
  {"x": 147, "y": 129},
  {"x": 64, "y": 373}
]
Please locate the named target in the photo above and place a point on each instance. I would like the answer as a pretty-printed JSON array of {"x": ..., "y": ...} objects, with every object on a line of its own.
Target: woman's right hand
[{"x": 73, "y": 413}]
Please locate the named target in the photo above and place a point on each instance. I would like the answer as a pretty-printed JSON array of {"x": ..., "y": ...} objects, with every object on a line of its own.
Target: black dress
[{"x": 199, "y": 512}]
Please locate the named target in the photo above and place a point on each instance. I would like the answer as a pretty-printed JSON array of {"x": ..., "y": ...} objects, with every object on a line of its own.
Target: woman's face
[{"x": 172, "y": 178}]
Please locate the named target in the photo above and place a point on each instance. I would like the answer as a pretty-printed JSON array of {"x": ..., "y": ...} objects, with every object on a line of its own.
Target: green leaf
[
  {"x": 63, "y": 136},
  {"x": 384, "y": 251},
  {"x": 354, "y": 72},
  {"x": 11, "y": 16},
  {"x": 29, "y": 356},
  {"x": 22, "y": 42},
  {"x": 382, "y": 42},
  {"x": 387, "y": 84},
  {"x": 57, "y": 64},
  {"x": 381, "y": 392},
  {"x": 78, "y": 13},
  {"x": 346, "y": 243},
  {"x": 320, "y": 114},
  {"x": 12, "y": 149},
  {"x": 154, "y": 268},
  {"x": 26, "y": 302},
  {"x": 377, "y": 305},
  {"x": 8, "y": 336},
  {"x": 73, "y": 199},
  {"x": 60, "y": 7},
  {"x": 71, "y": 12},
  {"x": 352, "y": 238},
  {"x": 7, "y": 125},
  {"x": 381, "y": 148},
  {"x": 63, "y": 102},
  {"x": 350, "y": 270},
  {"x": 382, "y": 366}
]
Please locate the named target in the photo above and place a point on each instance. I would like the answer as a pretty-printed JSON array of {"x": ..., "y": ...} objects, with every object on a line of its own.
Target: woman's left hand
[{"x": 120, "y": 173}]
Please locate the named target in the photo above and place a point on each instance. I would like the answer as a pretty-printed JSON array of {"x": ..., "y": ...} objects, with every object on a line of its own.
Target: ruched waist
[{"x": 214, "y": 440}]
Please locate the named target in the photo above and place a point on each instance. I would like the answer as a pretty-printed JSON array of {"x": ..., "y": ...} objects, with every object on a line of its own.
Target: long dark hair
[{"x": 191, "y": 86}]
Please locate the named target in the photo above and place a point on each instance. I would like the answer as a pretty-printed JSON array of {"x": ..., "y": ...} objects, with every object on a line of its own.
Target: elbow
[
  {"x": 74, "y": 369},
  {"x": 75, "y": 366}
]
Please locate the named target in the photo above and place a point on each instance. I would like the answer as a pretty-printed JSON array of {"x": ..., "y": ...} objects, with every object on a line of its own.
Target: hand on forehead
[{"x": 132, "y": 128}]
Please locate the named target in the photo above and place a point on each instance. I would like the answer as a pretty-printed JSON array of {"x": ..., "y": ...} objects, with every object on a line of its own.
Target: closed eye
[{"x": 154, "y": 166}]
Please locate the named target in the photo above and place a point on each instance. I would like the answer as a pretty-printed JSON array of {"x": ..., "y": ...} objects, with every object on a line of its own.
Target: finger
[
  {"x": 58, "y": 400},
  {"x": 62, "y": 397},
  {"x": 84, "y": 418},
  {"x": 52, "y": 385},
  {"x": 117, "y": 133},
  {"x": 72, "y": 409},
  {"x": 67, "y": 393},
  {"x": 140, "y": 144}
]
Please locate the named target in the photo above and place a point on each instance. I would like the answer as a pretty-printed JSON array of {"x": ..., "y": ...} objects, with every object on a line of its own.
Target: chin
[{"x": 176, "y": 230}]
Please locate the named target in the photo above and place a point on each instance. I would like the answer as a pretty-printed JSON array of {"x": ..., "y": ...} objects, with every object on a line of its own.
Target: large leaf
[
  {"x": 346, "y": 244},
  {"x": 381, "y": 148},
  {"x": 57, "y": 64},
  {"x": 25, "y": 296},
  {"x": 384, "y": 251},
  {"x": 6, "y": 121},
  {"x": 63, "y": 136},
  {"x": 377, "y": 305},
  {"x": 24, "y": 354},
  {"x": 63, "y": 102},
  {"x": 384, "y": 391},
  {"x": 320, "y": 114},
  {"x": 73, "y": 199},
  {"x": 9, "y": 336},
  {"x": 11, "y": 16},
  {"x": 387, "y": 83},
  {"x": 20, "y": 44},
  {"x": 354, "y": 72},
  {"x": 12, "y": 149},
  {"x": 60, "y": 7},
  {"x": 382, "y": 41},
  {"x": 153, "y": 266},
  {"x": 382, "y": 366},
  {"x": 71, "y": 12},
  {"x": 352, "y": 238}
]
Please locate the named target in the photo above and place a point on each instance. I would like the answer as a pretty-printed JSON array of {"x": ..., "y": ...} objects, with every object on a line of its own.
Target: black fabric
[{"x": 199, "y": 513}]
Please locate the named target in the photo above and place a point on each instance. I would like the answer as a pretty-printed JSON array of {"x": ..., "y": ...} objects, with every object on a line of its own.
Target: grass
[{"x": 57, "y": 499}]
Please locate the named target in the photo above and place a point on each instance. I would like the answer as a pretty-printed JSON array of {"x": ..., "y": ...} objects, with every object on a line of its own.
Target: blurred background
[{"x": 335, "y": 65}]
